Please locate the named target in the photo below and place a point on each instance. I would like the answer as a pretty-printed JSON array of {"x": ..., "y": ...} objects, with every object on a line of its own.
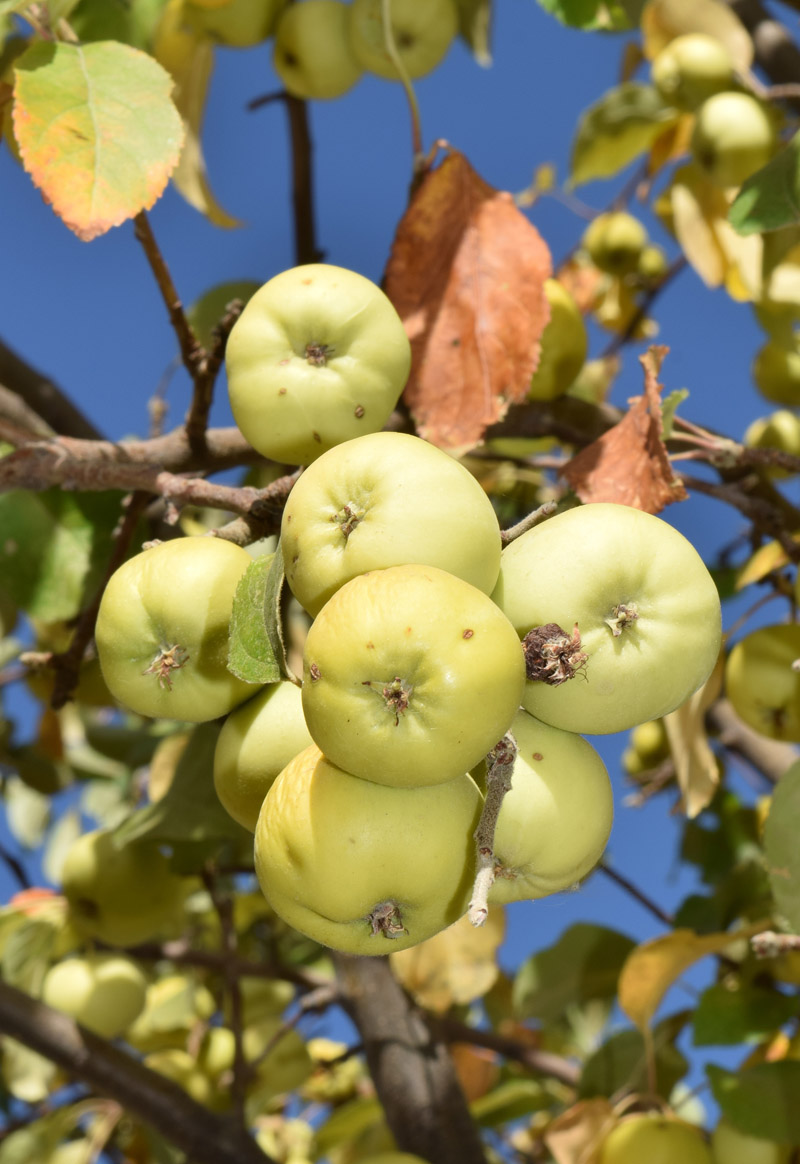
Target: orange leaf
[
  {"x": 629, "y": 463},
  {"x": 466, "y": 275},
  {"x": 576, "y": 1136}
]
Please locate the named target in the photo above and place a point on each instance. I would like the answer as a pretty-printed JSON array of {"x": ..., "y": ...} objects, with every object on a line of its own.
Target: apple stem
[{"x": 498, "y": 782}]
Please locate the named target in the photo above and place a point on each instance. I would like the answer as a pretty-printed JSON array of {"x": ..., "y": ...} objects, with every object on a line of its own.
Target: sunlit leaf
[
  {"x": 26, "y": 954},
  {"x": 575, "y": 1136},
  {"x": 251, "y": 653},
  {"x": 618, "y": 128},
  {"x": 781, "y": 846},
  {"x": 761, "y": 1101},
  {"x": 27, "y": 812},
  {"x": 60, "y": 840},
  {"x": 26, "y": 1074},
  {"x": 455, "y": 966},
  {"x": 474, "y": 22},
  {"x": 663, "y": 20},
  {"x": 767, "y": 558},
  {"x": 770, "y": 198},
  {"x": 696, "y": 766},
  {"x": 584, "y": 963},
  {"x": 97, "y": 130}
]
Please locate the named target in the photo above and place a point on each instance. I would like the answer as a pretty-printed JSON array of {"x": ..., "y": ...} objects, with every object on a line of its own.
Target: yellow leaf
[
  {"x": 696, "y": 768},
  {"x": 769, "y": 557},
  {"x": 663, "y": 20},
  {"x": 576, "y": 1136},
  {"x": 699, "y": 219},
  {"x": 650, "y": 969},
  {"x": 455, "y": 966}
]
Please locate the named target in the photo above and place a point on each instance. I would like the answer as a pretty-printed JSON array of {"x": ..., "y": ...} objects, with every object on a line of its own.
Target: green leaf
[
  {"x": 26, "y": 955},
  {"x": 623, "y": 124},
  {"x": 475, "y": 20},
  {"x": 512, "y": 1099},
  {"x": 781, "y": 849},
  {"x": 97, "y": 130},
  {"x": 27, "y": 812},
  {"x": 584, "y": 963},
  {"x": 747, "y": 1014},
  {"x": 595, "y": 14},
  {"x": 761, "y": 1101},
  {"x": 620, "y": 1063},
  {"x": 669, "y": 406},
  {"x": 207, "y": 311},
  {"x": 255, "y": 648},
  {"x": 131, "y": 21},
  {"x": 770, "y": 198},
  {"x": 348, "y": 1122}
]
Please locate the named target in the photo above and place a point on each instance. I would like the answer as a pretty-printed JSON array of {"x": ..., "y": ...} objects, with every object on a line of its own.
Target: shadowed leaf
[
  {"x": 761, "y": 1101},
  {"x": 770, "y": 198},
  {"x": 455, "y": 966},
  {"x": 781, "y": 847}
]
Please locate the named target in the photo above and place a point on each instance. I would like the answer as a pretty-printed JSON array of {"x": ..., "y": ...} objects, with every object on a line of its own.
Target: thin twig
[
  {"x": 498, "y": 782},
  {"x": 306, "y": 247},
  {"x": 528, "y": 522},
  {"x": 636, "y": 893}
]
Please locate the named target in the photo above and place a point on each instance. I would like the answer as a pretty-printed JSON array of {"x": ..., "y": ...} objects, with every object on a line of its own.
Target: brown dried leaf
[
  {"x": 629, "y": 463},
  {"x": 455, "y": 966},
  {"x": 696, "y": 767},
  {"x": 466, "y": 275},
  {"x": 478, "y": 1070},
  {"x": 576, "y": 1136}
]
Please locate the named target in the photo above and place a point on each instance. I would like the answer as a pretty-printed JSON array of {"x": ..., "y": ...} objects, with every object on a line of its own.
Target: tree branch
[{"x": 43, "y": 397}]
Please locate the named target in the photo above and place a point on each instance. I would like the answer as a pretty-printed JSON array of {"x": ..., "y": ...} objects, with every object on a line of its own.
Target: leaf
[
  {"x": 466, "y": 275},
  {"x": 781, "y": 849},
  {"x": 474, "y": 24},
  {"x": 653, "y": 967},
  {"x": 576, "y": 1135},
  {"x": 26, "y": 1074},
  {"x": 454, "y": 967},
  {"x": 696, "y": 767},
  {"x": 663, "y": 20},
  {"x": 583, "y": 964},
  {"x": 591, "y": 14},
  {"x": 207, "y": 312},
  {"x": 26, "y": 955},
  {"x": 62, "y": 837},
  {"x": 767, "y": 558},
  {"x": 251, "y": 654},
  {"x": 760, "y": 1101},
  {"x": 770, "y": 198},
  {"x": 97, "y": 130},
  {"x": 623, "y": 124},
  {"x": 131, "y": 21},
  {"x": 620, "y": 1063},
  {"x": 743, "y": 1014},
  {"x": 510, "y": 1100},
  {"x": 27, "y": 812},
  {"x": 628, "y": 464},
  {"x": 189, "y": 57}
]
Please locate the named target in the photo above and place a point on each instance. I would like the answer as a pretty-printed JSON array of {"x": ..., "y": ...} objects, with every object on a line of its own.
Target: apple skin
[
  {"x": 408, "y": 502},
  {"x": 257, "y": 741},
  {"x": 654, "y": 1139},
  {"x": 780, "y": 430},
  {"x": 692, "y": 68},
  {"x": 730, "y": 1146},
  {"x": 776, "y": 372},
  {"x": 330, "y": 848},
  {"x": 179, "y": 596},
  {"x": 733, "y": 136},
  {"x": 318, "y": 356},
  {"x": 564, "y": 345},
  {"x": 120, "y": 895},
  {"x": 423, "y": 33},
  {"x": 556, "y": 819},
  {"x": 103, "y": 992},
  {"x": 178, "y": 1065},
  {"x": 601, "y": 556},
  {"x": 453, "y": 660},
  {"x": 235, "y": 23},
  {"x": 614, "y": 242},
  {"x": 312, "y": 53},
  {"x": 761, "y": 683}
]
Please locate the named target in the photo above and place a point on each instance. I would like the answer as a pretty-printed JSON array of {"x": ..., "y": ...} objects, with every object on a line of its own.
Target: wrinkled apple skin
[
  {"x": 452, "y": 657},
  {"x": 408, "y": 503},
  {"x": 331, "y": 847},
  {"x": 177, "y": 594},
  {"x": 104, "y": 992},
  {"x": 762, "y": 684},
  {"x": 318, "y": 356},
  {"x": 555, "y": 821},
  {"x": 654, "y": 1139},
  {"x": 423, "y": 32},
  {"x": 598, "y": 557},
  {"x": 312, "y": 53}
]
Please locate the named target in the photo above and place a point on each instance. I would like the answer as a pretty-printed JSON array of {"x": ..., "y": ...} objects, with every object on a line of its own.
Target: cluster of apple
[{"x": 660, "y": 1138}]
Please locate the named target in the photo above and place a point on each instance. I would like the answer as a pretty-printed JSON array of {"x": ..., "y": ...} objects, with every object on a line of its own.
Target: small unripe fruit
[
  {"x": 234, "y": 23},
  {"x": 776, "y": 372},
  {"x": 780, "y": 430},
  {"x": 103, "y": 992},
  {"x": 762, "y": 683},
  {"x": 653, "y": 264},
  {"x": 423, "y": 31},
  {"x": 312, "y": 54},
  {"x": 614, "y": 242},
  {"x": 692, "y": 68},
  {"x": 733, "y": 136},
  {"x": 564, "y": 345}
]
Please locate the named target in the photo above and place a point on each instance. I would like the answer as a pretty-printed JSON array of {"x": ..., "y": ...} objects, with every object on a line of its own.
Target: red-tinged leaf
[
  {"x": 97, "y": 130},
  {"x": 466, "y": 275},
  {"x": 629, "y": 463}
]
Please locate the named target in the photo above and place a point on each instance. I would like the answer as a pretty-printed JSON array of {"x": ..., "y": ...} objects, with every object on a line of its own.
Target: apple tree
[{"x": 301, "y": 709}]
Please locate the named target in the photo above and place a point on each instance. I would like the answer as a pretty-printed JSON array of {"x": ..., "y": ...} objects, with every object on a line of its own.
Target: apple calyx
[
  {"x": 396, "y": 695},
  {"x": 622, "y": 615},
  {"x": 385, "y": 918},
  {"x": 167, "y": 660},
  {"x": 349, "y": 517},
  {"x": 317, "y": 354},
  {"x": 551, "y": 655}
]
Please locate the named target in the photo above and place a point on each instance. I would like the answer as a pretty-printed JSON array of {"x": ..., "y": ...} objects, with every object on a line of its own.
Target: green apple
[
  {"x": 257, "y": 741},
  {"x": 614, "y": 242},
  {"x": 647, "y": 747},
  {"x": 312, "y": 53},
  {"x": 121, "y": 895},
  {"x": 564, "y": 345},
  {"x": 387, "y": 499},
  {"x": 776, "y": 372},
  {"x": 178, "y": 1065},
  {"x": 555, "y": 820},
  {"x": 762, "y": 683},
  {"x": 393, "y": 1158},
  {"x": 410, "y": 676},
  {"x": 620, "y": 617},
  {"x": 362, "y": 867},
  {"x": 423, "y": 31},
  {"x": 175, "y": 1004},
  {"x": 162, "y": 630},
  {"x": 780, "y": 430},
  {"x": 654, "y": 1139},
  {"x": 730, "y": 1146},
  {"x": 318, "y": 356},
  {"x": 692, "y": 68},
  {"x": 234, "y": 23},
  {"x": 103, "y": 992},
  {"x": 653, "y": 264},
  {"x": 733, "y": 136}
]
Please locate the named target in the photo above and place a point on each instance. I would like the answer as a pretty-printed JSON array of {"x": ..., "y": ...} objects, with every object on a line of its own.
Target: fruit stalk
[{"x": 498, "y": 782}]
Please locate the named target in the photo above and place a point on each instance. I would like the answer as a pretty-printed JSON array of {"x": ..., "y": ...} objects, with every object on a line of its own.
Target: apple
[
  {"x": 733, "y": 136},
  {"x": 162, "y": 630},
  {"x": 103, "y": 992},
  {"x": 175, "y": 1004},
  {"x": 555, "y": 820},
  {"x": 120, "y": 895},
  {"x": 362, "y": 867},
  {"x": 422, "y": 33},
  {"x": 730, "y": 1146},
  {"x": 762, "y": 683},
  {"x": 318, "y": 356},
  {"x": 653, "y": 264},
  {"x": 178, "y": 1065},
  {"x": 393, "y": 1158},
  {"x": 654, "y": 1139},
  {"x": 614, "y": 242},
  {"x": 776, "y": 372},
  {"x": 620, "y": 617},
  {"x": 312, "y": 53},
  {"x": 234, "y": 23},
  {"x": 386, "y": 499},
  {"x": 410, "y": 676},
  {"x": 692, "y": 68},
  {"x": 780, "y": 430},
  {"x": 256, "y": 742},
  {"x": 564, "y": 345},
  {"x": 648, "y": 747}
]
